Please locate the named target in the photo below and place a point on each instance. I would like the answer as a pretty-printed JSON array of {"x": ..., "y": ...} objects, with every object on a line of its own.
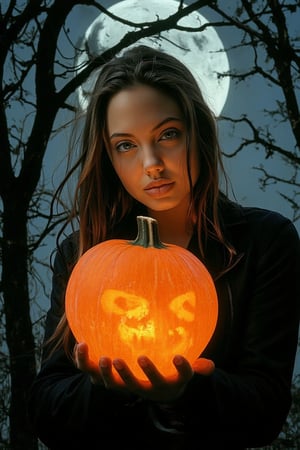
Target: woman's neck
[{"x": 173, "y": 227}]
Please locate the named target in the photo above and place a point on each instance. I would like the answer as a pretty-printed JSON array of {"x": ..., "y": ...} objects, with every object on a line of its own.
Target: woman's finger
[
  {"x": 83, "y": 362},
  {"x": 125, "y": 374},
  {"x": 106, "y": 371},
  {"x": 183, "y": 367},
  {"x": 81, "y": 356},
  {"x": 203, "y": 366},
  {"x": 150, "y": 370}
]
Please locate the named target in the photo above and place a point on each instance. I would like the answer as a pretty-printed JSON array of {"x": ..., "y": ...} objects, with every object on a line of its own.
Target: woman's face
[{"x": 148, "y": 147}]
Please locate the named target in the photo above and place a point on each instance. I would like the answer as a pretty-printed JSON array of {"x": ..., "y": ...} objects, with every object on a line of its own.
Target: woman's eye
[
  {"x": 170, "y": 134},
  {"x": 124, "y": 146}
]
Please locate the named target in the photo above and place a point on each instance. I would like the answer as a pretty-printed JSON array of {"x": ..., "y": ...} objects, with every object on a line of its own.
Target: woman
[{"x": 150, "y": 147}]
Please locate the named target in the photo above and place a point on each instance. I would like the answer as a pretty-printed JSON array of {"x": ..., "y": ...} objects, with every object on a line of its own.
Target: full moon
[{"x": 201, "y": 51}]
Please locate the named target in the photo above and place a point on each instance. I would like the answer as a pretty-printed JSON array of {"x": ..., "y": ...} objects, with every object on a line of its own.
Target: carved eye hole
[
  {"x": 122, "y": 303},
  {"x": 183, "y": 306}
]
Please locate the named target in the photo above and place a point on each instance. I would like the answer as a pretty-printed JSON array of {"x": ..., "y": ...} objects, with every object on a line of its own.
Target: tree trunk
[{"x": 19, "y": 334}]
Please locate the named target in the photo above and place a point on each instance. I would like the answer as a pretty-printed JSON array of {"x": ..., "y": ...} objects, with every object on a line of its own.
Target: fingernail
[
  {"x": 143, "y": 361},
  {"x": 118, "y": 364},
  {"x": 103, "y": 362},
  {"x": 178, "y": 360}
]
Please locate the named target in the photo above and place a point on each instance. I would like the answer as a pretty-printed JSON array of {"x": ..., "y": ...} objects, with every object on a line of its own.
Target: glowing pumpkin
[{"x": 142, "y": 297}]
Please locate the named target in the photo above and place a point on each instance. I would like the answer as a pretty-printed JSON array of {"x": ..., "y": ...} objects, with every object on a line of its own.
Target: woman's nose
[{"x": 152, "y": 161}]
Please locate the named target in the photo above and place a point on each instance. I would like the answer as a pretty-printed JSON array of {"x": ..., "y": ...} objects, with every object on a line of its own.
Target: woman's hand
[{"x": 156, "y": 388}]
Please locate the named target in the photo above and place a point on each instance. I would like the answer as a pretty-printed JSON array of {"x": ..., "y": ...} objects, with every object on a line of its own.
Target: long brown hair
[{"x": 100, "y": 201}]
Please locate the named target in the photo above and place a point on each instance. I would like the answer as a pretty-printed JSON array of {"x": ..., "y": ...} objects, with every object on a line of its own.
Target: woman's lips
[{"x": 157, "y": 189}]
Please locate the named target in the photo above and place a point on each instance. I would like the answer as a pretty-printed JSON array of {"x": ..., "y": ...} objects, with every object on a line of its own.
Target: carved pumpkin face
[{"x": 125, "y": 300}]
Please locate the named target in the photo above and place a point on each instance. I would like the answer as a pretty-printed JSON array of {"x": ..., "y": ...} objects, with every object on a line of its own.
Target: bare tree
[
  {"x": 270, "y": 38},
  {"x": 37, "y": 82}
]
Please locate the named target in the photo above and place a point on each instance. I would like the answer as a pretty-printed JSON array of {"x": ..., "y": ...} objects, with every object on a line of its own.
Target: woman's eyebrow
[
  {"x": 115, "y": 135},
  {"x": 166, "y": 120}
]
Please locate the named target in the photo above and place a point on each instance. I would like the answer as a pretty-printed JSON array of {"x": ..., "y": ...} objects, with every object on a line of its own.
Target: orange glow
[{"x": 126, "y": 299}]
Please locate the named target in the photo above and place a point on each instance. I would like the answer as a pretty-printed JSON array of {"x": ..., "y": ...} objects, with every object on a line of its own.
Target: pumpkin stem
[{"x": 148, "y": 234}]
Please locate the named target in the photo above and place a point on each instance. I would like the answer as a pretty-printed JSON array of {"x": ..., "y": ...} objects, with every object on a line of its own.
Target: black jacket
[{"x": 244, "y": 403}]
